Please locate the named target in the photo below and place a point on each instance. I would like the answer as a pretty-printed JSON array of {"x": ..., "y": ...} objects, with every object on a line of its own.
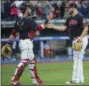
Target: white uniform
[
  {"x": 78, "y": 56},
  {"x": 76, "y": 25},
  {"x": 26, "y": 47}
]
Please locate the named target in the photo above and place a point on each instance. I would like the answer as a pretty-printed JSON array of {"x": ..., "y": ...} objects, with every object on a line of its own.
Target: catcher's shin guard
[
  {"x": 18, "y": 72},
  {"x": 35, "y": 79}
]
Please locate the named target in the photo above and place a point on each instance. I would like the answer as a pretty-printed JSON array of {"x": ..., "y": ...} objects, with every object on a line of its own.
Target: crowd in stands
[{"x": 40, "y": 9}]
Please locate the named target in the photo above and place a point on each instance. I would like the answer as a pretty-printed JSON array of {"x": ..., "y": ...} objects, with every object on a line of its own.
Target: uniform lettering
[{"x": 73, "y": 22}]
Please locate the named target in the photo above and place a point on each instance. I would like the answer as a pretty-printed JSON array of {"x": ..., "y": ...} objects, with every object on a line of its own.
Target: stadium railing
[
  {"x": 6, "y": 24},
  {"x": 41, "y": 39}
]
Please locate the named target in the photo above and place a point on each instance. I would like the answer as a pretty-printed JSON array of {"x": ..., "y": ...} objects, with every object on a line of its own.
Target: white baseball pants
[
  {"x": 78, "y": 56},
  {"x": 26, "y": 47}
]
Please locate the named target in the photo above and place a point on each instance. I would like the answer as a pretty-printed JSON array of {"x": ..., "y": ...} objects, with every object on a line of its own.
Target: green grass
[{"x": 56, "y": 73}]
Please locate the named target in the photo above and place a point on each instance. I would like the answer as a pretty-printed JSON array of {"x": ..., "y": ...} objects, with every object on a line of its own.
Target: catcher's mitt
[
  {"x": 6, "y": 50},
  {"x": 77, "y": 45}
]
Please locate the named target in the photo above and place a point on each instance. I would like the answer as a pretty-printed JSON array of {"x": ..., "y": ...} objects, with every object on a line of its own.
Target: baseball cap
[{"x": 73, "y": 5}]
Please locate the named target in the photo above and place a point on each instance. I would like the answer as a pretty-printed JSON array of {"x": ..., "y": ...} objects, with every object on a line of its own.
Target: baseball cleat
[
  {"x": 15, "y": 84},
  {"x": 38, "y": 82},
  {"x": 71, "y": 82},
  {"x": 81, "y": 81}
]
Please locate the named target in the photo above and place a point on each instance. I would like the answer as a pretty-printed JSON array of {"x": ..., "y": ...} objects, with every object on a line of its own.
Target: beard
[{"x": 29, "y": 12}]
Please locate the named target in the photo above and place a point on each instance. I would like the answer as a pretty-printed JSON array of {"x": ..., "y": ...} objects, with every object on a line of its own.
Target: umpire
[{"x": 77, "y": 28}]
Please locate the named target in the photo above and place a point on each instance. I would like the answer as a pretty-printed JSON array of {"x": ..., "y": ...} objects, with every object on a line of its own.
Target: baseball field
[{"x": 52, "y": 73}]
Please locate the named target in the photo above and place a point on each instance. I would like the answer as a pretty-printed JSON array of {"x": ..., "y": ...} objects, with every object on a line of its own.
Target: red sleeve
[
  {"x": 39, "y": 28},
  {"x": 13, "y": 33},
  {"x": 31, "y": 34}
]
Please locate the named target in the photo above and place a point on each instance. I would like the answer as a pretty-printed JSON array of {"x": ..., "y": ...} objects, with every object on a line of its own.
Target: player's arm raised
[
  {"x": 46, "y": 22},
  {"x": 59, "y": 27},
  {"x": 55, "y": 27}
]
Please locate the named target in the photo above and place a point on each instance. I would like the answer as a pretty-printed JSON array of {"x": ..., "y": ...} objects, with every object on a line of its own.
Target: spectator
[
  {"x": 34, "y": 7},
  {"x": 62, "y": 9},
  {"x": 55, "y": 9},
  {"x": 7, "y": 9},
  {"x": 46, "y": 7},
  {"x": 39, "y": 10},
  {"x": 42, "y": 8},
  {"x": 14, "y": 11},
  {"x": 84, "y": 8},
  {"x": 2, "y": 9}
]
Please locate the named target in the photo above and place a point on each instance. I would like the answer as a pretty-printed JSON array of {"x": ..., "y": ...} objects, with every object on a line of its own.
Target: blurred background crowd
[{"x": 40, "y": 8}]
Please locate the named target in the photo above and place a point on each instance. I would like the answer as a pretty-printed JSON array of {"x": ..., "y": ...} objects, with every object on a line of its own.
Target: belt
[{"x": 26, "y": 38}]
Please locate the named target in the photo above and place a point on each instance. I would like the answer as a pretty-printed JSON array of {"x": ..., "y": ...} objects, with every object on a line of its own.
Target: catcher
[
  {"x": 26, "y": 28},
  {"x": 77, "y": 28}
]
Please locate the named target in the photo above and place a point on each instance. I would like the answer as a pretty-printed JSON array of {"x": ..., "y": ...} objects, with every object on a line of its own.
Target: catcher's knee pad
[
  {"x": 21, "y": 66},
  {"x": 32, "y": 64},
  {"x": 25, "y": 61},
  {"x": 28, "y": 61},
  {"x": 33, "y": 61}
]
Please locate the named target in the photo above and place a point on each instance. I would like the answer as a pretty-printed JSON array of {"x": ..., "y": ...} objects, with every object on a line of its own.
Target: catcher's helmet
[{"x": 23, "y": 6}]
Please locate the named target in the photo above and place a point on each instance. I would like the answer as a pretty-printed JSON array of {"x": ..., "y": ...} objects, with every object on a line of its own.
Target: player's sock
[{"x": 18, "y": 72}]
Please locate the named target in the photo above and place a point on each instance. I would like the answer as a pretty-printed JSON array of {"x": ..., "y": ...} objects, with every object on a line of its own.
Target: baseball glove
[
  {"x": 77, "y": 45},
  {"x": 6, "y": 50}
]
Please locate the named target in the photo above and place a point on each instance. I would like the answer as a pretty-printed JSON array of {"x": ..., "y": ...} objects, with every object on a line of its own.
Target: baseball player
[
  {"x": 77, "y": 28},
  {"x": 26, "y": 28}
]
